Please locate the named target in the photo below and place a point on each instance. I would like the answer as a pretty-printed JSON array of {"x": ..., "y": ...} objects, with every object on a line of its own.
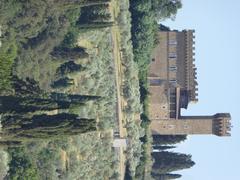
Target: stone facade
[{"x": 173, "y": 85}]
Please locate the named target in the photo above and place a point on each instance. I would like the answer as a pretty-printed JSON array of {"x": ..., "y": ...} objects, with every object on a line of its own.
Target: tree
[
  {"x": 27, "y": 87},
  {"x": 161, "y": 148},
  {"x": 168, "y": 139},
  {"x": 19, "y": 127},
  {"x": 20, "y": 166},
  {"x": 69, "y": 67},
  {"x": 66, "y": 54},
  {"x": 96, "y": 25},
  {"x": 165, "y": 176},
  {"x": 63, "y": 83},
  {"x": 14, "y": 104},
  {"x": 166, "y": 8},
  {"x": 165, "y": 162},
  {"x": 72, "y": 98},
  {"x": 97, "y": 13}
]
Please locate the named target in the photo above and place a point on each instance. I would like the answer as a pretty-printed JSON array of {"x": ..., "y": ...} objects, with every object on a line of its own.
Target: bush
[{"x": 20, "y": 166}]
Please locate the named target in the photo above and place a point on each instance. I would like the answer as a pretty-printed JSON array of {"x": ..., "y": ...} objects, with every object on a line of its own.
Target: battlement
[
  {"x": 190, "y": 68},
  {"x": 221, "y": 124}
]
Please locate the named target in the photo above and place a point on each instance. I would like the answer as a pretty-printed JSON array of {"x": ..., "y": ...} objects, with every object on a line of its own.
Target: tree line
[
  {"x": 27, "y": 115},
  {"x": 146, "y": 15},
  {"x": 166, "y": 161}
]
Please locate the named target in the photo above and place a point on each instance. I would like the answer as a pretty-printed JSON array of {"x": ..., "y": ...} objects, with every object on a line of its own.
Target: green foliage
[
  {"x": 46, "y": 35},
  {"x": 162, "y": 148},
  {"x": 20, "y": 128},
  {"x": 70, "y": 39},
  {"x": 7, "y": 55},
  {"x": 166, "y": 8},
  {"x": 131, "y": 94},
  {"x": 63, "y": 83},
  {"x": 89, "y": 156},
  {"x": 73, "y": 15},
  {"x": 166, "y": 176},
  {"x": 66, "y": 54},
  {"x": 47, "y": 157},
  {"x": 20, "y": 166},
  {"x": 145, "y": 17},
  {"x": 95, "y": 17},
  {"x": 20, "y": 118},
  {"x": 98, "y": 78},
  {"x": 144, "y": 29},
  {"x": 8, "y": 10},
  {"x": 96, "y": 25},
  {"x": 168, "y": 139},
  {"x": 166, "y": 162},
  {"x": 95, "y": 13},
  {"x": 27, "y": 87}
]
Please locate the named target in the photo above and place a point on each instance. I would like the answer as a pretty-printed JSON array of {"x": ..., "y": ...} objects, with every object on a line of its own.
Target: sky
[{"x": 217, "y": 45}]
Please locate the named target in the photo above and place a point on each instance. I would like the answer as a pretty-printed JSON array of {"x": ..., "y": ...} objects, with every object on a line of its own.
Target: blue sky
[{"x": 217, "y": 26}]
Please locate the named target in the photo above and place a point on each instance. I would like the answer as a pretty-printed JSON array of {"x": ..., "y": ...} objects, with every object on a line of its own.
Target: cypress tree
[
  {"x": 17, "y": 127},
  {"x": 168, "y": 139},
  {"x": 161, "y": 148},
  {"x": 165, "y": 162},
  {"x": 165, "y": 176}
]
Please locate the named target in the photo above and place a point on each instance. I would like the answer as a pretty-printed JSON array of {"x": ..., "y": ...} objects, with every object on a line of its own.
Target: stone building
[{"x": 173, "y": 85}]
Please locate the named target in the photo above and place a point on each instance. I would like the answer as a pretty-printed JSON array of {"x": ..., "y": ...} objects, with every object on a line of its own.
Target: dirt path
[
  {"x": 115, "y": 33},
  {"x": 64, "y": 159}
]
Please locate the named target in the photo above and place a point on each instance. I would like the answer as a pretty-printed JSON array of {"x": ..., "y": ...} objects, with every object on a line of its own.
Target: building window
[
  {"x": 172, "y": 42},
  {"x": 172, "y": 55},
  {"x": 173, "y": 81},
  {"x": 172, "y": 68},
  {"x": 155, "y": 82},
  {"x": 173, "y": 59},
  {"x": 153, "y": 59}
]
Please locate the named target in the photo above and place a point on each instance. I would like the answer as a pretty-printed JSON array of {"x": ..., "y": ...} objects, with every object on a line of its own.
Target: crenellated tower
[{"x": 218, "y": 124}]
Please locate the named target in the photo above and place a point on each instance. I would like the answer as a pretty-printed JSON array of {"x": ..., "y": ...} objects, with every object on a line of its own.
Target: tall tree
[
  {"x": 17, "y": 127},
  {"x": 165, "y": 162},
  {"x": 161, "y": 148},
  {"x": 166, "y": 8},
  {"x": 165, "y": 176},
  {"x": 21, "y": 166},
  {"x": 168, "y": 139}
]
